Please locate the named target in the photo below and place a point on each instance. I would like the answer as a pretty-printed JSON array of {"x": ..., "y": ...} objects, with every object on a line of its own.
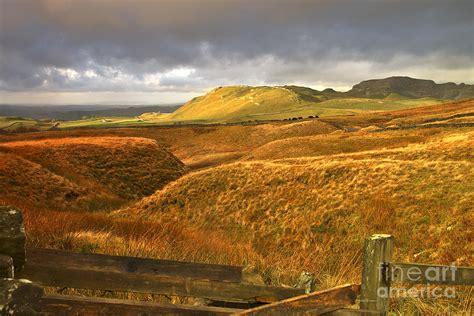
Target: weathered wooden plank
[
  {"x": 142, "y": 266},
  {"x": 51, "y": 274},
  {"x": 375, "y": 286},
  {"x": 431, "y": 274},
  {"x": 92, "y": 306},
  {"x": 316, "y": 303}
]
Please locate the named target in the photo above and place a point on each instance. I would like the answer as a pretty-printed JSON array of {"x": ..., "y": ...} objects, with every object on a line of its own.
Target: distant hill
[
  {"x": 245, "y": 103},
  {"x": 411, "y": 88},
  {"x": 70, "y": 113},
  {"x": 233, "y": 104},
  {"x": 242, "y": 103}
]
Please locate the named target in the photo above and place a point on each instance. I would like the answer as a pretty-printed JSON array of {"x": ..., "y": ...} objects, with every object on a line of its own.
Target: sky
[{"x": 157, "y": 52}]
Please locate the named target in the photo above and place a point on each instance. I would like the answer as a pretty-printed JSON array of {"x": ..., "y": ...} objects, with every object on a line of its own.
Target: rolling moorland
[
  {"x": 238, "y": 104},
  {"x": 278, "y": 197}
]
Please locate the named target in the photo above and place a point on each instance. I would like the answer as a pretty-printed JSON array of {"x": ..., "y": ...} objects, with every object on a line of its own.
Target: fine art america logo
[{"x": 414, "y": 274}]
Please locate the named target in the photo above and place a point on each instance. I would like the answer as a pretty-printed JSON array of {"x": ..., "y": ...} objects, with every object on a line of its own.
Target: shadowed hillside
[
  {"x": 120, "y": 168},
  {"x": 25, "y": 182}
]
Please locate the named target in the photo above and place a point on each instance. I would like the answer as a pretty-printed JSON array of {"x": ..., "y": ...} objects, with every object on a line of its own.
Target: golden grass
[
  {"x": 242, "y": 103},
  {"x": 66, "y": 171},
  {"x": 23, "y": 181},
  {"x": 98, "y": 233},
  {"x": 129, "y": 167},
  {"x": 190, "y": 144},
  {"x": 313, "y": 213},
  {"x": 303, "y": 198},
  {"x": 336, "y": 143}
]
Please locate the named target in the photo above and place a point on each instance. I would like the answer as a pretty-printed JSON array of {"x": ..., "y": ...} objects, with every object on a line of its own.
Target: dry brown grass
[
  {"x": 421, "y": 114},
  {"x": 66, "y": 172},
  {"x": 407, "y": 116},
  {"x": 307, "y": 203},
  {"x": 197, "y": 146},
  {"x": 23, "y": 181},
  {"x": 99, "y": 233},
  {"x": 313, "y": 213},
  {"x": 338, "y": 143}
]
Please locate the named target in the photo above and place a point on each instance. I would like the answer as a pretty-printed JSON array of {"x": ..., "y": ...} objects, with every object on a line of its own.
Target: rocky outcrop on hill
[{"x": 411, "y": 88}]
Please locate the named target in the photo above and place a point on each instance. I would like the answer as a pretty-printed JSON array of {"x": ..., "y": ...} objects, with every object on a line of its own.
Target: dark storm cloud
[{"x": 151, "y": 45}]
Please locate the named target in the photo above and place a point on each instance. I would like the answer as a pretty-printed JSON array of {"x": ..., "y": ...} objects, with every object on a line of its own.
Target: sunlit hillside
[
  {"x": 242, "y": 103},
  {"x": 245, "y": 104},
  {"x": 278, "y": 198},
  {"x": 297, "y": 157},
  {"x": 314, "y": 213}
]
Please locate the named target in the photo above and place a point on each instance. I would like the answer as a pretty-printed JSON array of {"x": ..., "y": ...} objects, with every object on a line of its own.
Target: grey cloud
[{"x": 227, "y": 42}]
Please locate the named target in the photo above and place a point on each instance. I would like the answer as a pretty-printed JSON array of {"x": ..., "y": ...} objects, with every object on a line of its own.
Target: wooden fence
[
  {"x": 379, "y": 273},
  {"x": 222, "y": 285}
]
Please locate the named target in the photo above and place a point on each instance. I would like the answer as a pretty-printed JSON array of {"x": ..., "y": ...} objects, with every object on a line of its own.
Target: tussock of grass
[{"x": 99, "y": 233}]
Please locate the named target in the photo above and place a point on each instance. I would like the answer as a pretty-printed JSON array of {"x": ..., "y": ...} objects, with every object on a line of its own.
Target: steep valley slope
[{"x": 84, "y": 172}]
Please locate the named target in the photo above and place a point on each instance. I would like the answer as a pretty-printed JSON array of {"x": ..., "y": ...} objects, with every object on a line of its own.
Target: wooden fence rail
[
  {"x": 140, "y": 266},
  {"x": 129, "y": 274},
  {"x": 219, "y": 283},
  {"x": 74, "y": 305}
]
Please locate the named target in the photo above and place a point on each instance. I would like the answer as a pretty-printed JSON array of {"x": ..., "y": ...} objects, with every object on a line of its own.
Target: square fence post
[{"x": 375, "y": 288}]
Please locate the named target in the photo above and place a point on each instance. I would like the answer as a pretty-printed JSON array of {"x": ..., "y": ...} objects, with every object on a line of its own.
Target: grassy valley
[{"x": 279, "y": 197}]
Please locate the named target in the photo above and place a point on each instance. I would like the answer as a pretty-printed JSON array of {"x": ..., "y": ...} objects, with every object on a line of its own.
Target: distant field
[{"x": 8, "y": 124}]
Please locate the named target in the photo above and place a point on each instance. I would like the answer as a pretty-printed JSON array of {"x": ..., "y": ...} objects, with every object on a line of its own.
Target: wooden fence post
[
  {"x": 375, "y": 288},
  {"x": 6, "y": 267},
  {"x": 12, "y": 236}
]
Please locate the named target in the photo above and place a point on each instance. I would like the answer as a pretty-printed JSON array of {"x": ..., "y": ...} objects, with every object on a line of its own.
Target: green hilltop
[{"x": 244, "y": 103}]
